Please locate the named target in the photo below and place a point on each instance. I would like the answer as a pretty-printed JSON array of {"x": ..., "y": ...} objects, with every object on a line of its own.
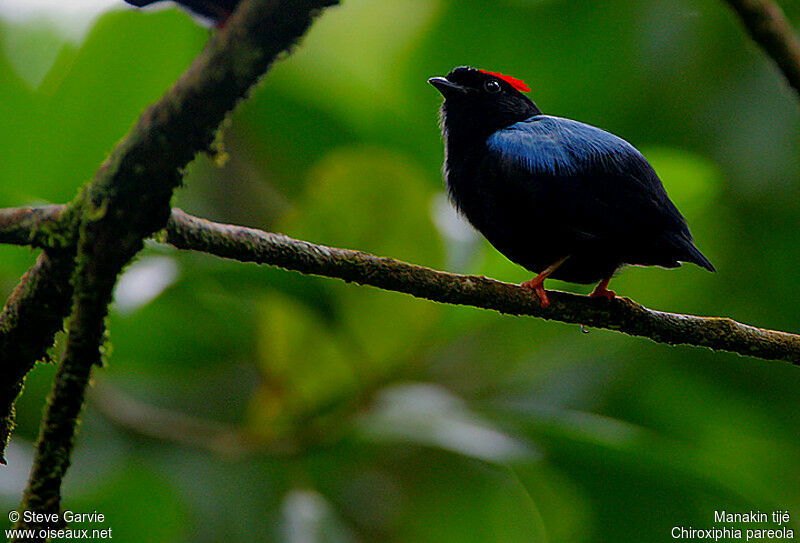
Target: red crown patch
[{"x": 513, "y": 81}]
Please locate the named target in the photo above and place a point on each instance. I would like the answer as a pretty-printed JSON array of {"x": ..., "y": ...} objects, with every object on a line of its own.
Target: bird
[
  {"x": 216, "y": 11},
  {"x": 561, "y": 198}
]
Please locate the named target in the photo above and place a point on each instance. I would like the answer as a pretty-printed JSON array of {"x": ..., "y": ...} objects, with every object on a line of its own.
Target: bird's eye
[{"x": 491, "y": 86}]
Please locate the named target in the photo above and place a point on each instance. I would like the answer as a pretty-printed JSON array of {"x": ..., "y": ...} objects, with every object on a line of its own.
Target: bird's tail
[
  {"x": 684, "y": 245},
  {"x": 696, "y": 257}
]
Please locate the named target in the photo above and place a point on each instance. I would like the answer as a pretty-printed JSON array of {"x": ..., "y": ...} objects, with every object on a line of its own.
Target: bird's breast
[{"x": 508, "y": 213}]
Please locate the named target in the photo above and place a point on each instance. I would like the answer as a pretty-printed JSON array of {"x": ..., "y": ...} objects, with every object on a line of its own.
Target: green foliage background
[{"x": 372, "y": 416}]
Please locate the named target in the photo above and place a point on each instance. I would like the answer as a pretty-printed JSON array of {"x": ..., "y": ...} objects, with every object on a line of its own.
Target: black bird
[
  {"x": 561, "y": 198},
  {"x": 217, "y": 11}
]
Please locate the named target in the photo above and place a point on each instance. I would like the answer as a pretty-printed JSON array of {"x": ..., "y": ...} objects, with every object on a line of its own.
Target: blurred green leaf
[
  {"x": 430, "y": 416},
  {"x": 137, "y": 503},
  {"x": 450, "y": 498},
  {"x": 374, "y": 201},
  {"x": 305, "y": 363},
  {"x": 156, "y": 340},
  {"x": 119, "y": 69},
  {"x": 31, "y": 49},
  {"x": 693, "y": 182},
  {"x": 357, "y": 54}
]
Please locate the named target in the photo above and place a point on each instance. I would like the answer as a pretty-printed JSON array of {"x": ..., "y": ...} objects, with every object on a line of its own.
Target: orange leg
[
  {"x": 601, "y": 290},
  {"x": 537, "y": 283}
]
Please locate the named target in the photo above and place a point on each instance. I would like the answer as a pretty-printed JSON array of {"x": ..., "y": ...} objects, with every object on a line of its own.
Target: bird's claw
[
  {"x": 537, "y": 287},
  {"x": 605, "y": 293}
]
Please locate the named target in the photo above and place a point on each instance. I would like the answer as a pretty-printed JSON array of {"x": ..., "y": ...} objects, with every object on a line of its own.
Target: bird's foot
[
  {"x": 601, "y": 291},
  {"x": 607, "y": 294},
  {"x": 537, "y": 285}
]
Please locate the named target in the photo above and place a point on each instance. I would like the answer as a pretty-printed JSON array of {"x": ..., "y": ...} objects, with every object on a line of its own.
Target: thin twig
[
  {"x": 166, "y": 425},
  {"x": 769, "y": 27}
]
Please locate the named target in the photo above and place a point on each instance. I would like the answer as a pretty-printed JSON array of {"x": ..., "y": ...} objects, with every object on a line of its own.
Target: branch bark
[
  {"x": 128, "y": 200},
  {"x": 32, "y": 316},
  {"x": 621, "y": 314},
  {"x": 250, "y": 245},
  {"x": 769, "y": 27}
]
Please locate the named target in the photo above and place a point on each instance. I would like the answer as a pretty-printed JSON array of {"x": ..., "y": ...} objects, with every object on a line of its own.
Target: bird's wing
[{"x": 587, "y": 180}]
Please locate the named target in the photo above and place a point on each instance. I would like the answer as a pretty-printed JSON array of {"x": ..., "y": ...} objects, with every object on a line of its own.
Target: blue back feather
[{"x": 552, "y": 145}]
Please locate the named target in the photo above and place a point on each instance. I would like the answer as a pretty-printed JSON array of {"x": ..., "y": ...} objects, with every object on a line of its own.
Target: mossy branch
[
  {"x": 769, "y": 27},
  {"x": 250, "y": 245},
  {"x": 32, "y": 316},
  {"x": 128, "y": 200},
  {"x": 621, "y": 314}
]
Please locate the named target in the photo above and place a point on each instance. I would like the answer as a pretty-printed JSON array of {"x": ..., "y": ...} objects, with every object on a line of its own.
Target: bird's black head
[{"x": 478, "y": 103}]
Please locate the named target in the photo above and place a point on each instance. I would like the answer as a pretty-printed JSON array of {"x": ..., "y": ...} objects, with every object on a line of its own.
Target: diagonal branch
[
  {"x": 769, "y": 27},
  {"x": 35, "y": 310},
  {"x": 32, "y": 316},
  {"x": 250, "y": 245},
  {"x": 128, "y": 200}
]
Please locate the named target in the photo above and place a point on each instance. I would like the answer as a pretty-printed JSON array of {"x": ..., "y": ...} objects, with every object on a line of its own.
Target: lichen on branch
[
  {"x": 621, "y": 314},
  {"x": 128, "y": 200},
  {"x": 251, "y": 245}
]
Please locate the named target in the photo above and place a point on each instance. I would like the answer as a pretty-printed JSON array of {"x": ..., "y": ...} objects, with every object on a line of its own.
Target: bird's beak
[{"x": 446, "y": 87}]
